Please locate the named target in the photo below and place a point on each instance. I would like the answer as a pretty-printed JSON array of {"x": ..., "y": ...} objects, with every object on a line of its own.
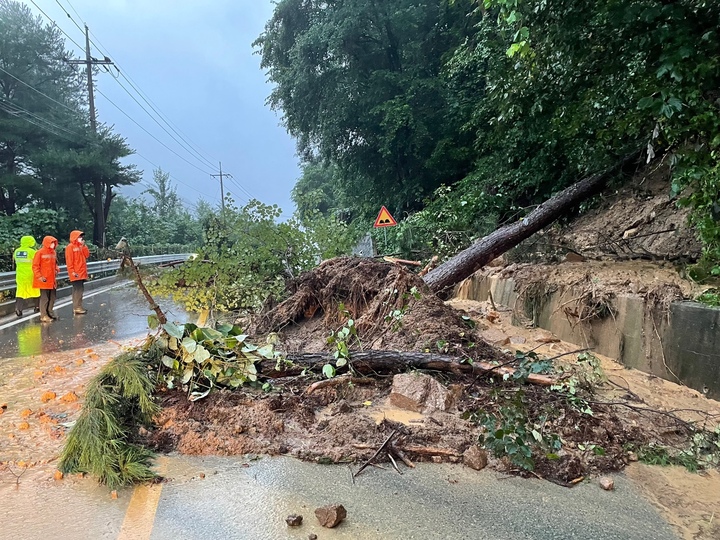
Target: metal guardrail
[{"x": 7, "y": 279}]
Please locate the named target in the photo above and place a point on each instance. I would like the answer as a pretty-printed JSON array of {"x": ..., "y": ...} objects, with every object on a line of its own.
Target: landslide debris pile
[{"x": 561, "y": 432}]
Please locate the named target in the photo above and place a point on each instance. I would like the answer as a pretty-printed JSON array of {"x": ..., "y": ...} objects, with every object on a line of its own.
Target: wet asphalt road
[
  {"x": 236, "y": 498},
  {"x": 114, "y": 313}
]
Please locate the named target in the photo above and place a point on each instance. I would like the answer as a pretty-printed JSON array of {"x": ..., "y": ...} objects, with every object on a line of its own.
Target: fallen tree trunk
[
  {"x": 467, "y": 262},
  {"x": 383, "y": 362}
]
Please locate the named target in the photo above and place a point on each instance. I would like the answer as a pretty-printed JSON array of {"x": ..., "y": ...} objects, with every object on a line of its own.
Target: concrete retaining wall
[{"x": 681, "y": 343}]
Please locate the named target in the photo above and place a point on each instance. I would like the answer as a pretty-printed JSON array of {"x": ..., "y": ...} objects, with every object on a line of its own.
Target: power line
[
  {"x": 240, "y": 187},
  {"x": 38, "y": 91},
  {"x": 74, "y": 10},
  {"x": 171, "y": 176},
  {"x": 153, "y": 136},
  {"x": 140, "y": 93},
  {"x": 135, "y": 86},
  {"x": 56, "y": 25},
  {"x": 17, "y": 109},
  {"x": 69, "y": 16},
  {"x": 191, "y": 147},
  {"x": 4, "y": 107},
  {"x": 189, "y": 150}
]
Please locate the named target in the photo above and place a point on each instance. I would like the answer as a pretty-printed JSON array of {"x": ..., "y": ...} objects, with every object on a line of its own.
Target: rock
[
  {"x": 571, "y": 257},
  {"x": 632, "y": 456},
  {"x": 630, "y": 233},
  {"x": 495, "y": 336},
  {"x": 294, "y": 520},
  {"x": 419, "y": 392},
  {"x": 607, "y": 483},
  {"x": 341, "y": 407},
  {"x": 517, "y": 340},
  {"x": 312, "y": 537},
  {"x": 331, "y": 515},
  {"x": 475, "y": 458}
]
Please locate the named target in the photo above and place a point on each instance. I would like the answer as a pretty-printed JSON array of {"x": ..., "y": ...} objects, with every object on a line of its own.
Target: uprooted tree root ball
[
  {"x": 391, "y": 307},
  {"x": 531, "y": 415}
]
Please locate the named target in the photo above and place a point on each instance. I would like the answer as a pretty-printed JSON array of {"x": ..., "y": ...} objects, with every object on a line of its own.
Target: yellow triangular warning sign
[{"x": 384, "y": 219}]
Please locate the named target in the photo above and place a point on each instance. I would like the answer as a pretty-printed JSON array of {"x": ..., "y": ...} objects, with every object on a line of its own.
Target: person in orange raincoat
[
  {"x": 76, "y": 254},
  {"x": 45, "y": 270}
]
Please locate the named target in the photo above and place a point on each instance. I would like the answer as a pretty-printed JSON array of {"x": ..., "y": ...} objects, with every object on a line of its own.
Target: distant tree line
[{"x": 52, "y": 164}]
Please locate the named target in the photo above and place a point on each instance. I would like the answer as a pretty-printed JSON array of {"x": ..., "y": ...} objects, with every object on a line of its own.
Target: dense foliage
[
  {"x": 247, "y": 256},
  {"x": 477, "y": 111}
]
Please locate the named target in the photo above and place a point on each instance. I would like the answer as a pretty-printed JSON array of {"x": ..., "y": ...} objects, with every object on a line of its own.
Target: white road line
[{"x": 63, "y": 303}]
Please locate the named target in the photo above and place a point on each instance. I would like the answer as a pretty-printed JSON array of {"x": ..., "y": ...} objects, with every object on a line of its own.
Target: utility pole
[
  {"x": 99, "y": 232},
  {"x": 222, "y": 188}
]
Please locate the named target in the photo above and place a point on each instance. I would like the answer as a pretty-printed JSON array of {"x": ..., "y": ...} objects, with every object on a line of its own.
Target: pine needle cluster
[{"x": 103, "y": 441}]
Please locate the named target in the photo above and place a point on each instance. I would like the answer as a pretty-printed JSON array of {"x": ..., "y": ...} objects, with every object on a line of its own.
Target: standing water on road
[{"x": 116, "y": 313}]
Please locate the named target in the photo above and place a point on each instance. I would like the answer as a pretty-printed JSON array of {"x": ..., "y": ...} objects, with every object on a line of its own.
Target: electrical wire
[
  {"x": 198, "y": 151},
  {"x": 17, "y": 109},
  {"x": 240, "y": 187},
  {"x": 190, "y": 151},
  {"x": 151, "y": 135},
  {"x": 38, "y": 91},
  {"x": 112, "y": 102},
  {"x": 57, "y": 25},
  {"x": 141, "y": 94},
  {"x": 74, "y": 10},
  {"x": 33, "y": 122},
  {"x": 135, "y": 86},
  {"x": 70, "y": 16}
]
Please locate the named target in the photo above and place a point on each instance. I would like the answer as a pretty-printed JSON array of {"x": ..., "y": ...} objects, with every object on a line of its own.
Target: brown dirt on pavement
[{"x": 339, "y": 424}]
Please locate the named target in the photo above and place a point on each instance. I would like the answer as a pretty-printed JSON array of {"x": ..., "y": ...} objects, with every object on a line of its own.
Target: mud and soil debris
[{"x": 393, "y": 310}]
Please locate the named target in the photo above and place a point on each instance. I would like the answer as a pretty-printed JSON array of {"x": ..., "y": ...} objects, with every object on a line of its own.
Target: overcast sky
[{"x": 195, "y": 62}]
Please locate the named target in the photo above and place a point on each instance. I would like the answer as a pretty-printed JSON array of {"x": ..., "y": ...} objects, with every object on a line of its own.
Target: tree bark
[
  {"x": 153, "y": 305},
  {"x": 374, "y": 362},
  {"x": 98, "y": 214},
  {"x": 467, "y": 262}
]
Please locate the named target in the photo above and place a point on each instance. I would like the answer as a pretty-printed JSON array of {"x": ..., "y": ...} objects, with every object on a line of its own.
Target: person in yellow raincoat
[{"x": 24, "y": 291}]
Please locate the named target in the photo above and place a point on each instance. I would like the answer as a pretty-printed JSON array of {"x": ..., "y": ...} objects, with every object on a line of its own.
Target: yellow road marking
[{"x": 140, "y": 514}]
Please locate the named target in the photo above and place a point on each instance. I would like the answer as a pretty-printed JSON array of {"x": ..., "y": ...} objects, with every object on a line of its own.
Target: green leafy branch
[{"x": 200, "y": 359}]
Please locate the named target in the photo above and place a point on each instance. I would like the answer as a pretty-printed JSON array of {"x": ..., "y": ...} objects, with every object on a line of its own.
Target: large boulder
[{"x": 421, "y": 393}]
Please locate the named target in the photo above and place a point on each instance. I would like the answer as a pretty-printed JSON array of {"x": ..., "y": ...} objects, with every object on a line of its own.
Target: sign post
[{"x": 383, "y": 220}]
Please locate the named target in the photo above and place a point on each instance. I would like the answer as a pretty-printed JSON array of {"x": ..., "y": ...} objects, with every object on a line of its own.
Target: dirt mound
[
  {"x": 391, "y": 307},
  {"x": 641, "y": 220},
  {"x": 347, "y": 422}
]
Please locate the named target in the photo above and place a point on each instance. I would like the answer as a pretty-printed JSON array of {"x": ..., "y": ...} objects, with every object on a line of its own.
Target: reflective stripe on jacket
[{"x": 23, "y": 257}]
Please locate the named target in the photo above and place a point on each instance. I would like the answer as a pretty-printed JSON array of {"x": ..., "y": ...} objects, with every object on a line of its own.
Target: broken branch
[
  {"x": 369, "y": 461},
  {"x": 374, "y": 362}
]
